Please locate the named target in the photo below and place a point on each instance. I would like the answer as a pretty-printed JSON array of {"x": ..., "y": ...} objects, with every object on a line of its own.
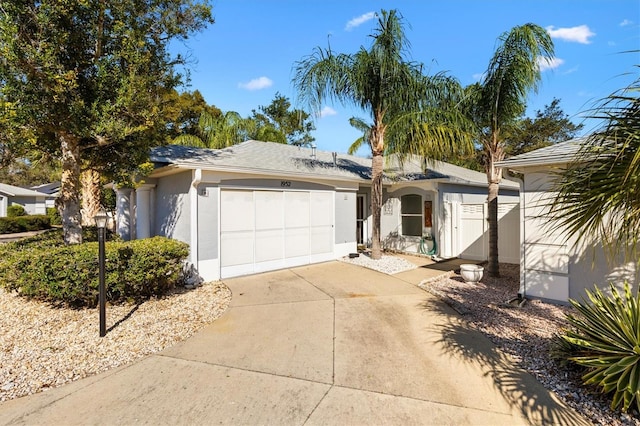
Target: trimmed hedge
[
  {"x": 11, "y": 225},
  {"x": 54, "y": 216},
  {"x": 134, "y": 270},
  {"x": 16, "y": 210}
]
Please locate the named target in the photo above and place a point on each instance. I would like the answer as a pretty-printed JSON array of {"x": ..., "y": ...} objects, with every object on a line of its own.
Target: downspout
[{"x": 193, "y": 198}]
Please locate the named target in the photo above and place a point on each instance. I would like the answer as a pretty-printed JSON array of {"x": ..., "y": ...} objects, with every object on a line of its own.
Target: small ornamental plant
[{"x": 606, "y": 340}]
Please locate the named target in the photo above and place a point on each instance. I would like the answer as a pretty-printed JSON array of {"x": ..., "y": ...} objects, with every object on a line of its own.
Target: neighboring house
[
  {"x": 52, "y": 188},
  {"x": 34, "y": 202},
  {"x": 260, "y": 206},
  {"x": 552, "y": 266}
]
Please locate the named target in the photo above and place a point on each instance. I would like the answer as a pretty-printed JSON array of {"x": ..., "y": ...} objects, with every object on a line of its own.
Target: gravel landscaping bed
[{"x": 43, "y": 347}]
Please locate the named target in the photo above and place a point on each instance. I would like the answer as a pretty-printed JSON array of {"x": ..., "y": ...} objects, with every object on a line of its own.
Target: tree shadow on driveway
[{"x": 460, "y": 339}]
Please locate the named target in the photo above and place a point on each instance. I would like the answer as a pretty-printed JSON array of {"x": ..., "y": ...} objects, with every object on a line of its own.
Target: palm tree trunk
[
  {"x": 492, "y": 200},
  {"x": 69, "y": 188},
  {"x": 90, "y": 180},
  {"x": 376, "y": 203},
  {"x": 494, "y": 176}
]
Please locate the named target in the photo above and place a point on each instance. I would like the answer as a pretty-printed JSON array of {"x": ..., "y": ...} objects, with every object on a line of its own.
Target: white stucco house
[
  {"x": 553, "y": 266},
  {"x": 34, "y": 202},
  {"x": 52, "y": 189},
  {"x": 260, "y": 206}
]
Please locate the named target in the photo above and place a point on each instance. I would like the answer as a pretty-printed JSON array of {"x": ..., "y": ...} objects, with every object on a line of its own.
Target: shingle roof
[
  {"x": 559, "y": 153},
  {"x": 16, "y": 191},
  {"x": 269, "y": 158}
]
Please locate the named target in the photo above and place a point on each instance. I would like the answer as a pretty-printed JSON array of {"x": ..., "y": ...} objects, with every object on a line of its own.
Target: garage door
[{"x": 267, "y": 230}]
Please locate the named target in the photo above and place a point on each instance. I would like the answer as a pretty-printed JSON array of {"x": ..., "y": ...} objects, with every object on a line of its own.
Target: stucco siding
[
  {"x": 345, "y": 214},
  {"x": 208, "y": 208},
  {"x": 173, "y": 208},
  {"x": 32, "y": 205},
  {"x": 554, "y": 266}
]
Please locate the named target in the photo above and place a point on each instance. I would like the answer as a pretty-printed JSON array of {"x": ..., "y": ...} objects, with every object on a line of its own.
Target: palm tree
[
  {"x": 385, "y": 85},
  {"x": 498, "y": 100},
  {"x": 217, "y": 131},
  {"x": 598, "y": 195}
]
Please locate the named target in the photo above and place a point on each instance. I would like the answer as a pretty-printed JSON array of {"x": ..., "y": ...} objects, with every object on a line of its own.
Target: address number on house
[{"x": 285, "y": 183}]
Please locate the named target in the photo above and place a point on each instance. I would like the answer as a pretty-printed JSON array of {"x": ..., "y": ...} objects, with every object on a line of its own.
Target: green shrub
[
  {"x": 11, "y": 225},
  {"x": 606, "y": 339},
  {"x": 54, "y": 216},
  {"x": 16, "y": 210},
  {"x": 134, "y": 270}
]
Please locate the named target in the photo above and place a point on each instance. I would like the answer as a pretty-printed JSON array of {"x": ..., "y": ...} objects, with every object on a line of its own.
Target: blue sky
[{"x": 241, "y": 61}]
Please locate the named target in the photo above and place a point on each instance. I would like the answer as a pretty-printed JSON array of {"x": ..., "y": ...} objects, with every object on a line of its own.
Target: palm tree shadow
[{"x": 518, "y": 387}]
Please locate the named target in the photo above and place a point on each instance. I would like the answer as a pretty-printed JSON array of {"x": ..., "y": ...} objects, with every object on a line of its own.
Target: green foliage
[
  {"x": 31, "y": 169},
  {"x": 54, "y": 216},
  {"x": 85, "y": 81},
  {"x": 548, "y": 127},
  {"x": 182, "y": 112},
  {"x": 217, "y": 131},
  {"x": 68, "y": 274},
  {"x": 12, "y": 225},
  {"x": 607, "y": 335},
  {"x": 16, "y": 210},
  {"x": 277, "y": 123},
  {"x": 54, "y": 238}
]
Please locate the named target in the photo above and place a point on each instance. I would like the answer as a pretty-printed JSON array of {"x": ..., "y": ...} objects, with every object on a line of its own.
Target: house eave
[{"x": 178, "y": 167}]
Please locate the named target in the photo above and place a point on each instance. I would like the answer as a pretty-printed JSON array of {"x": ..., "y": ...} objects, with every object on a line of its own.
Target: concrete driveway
[{"x": 324, "y": 344}]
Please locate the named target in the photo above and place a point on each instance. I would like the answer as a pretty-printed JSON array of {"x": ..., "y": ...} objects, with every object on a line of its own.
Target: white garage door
[{"x": 267, "y": 230}]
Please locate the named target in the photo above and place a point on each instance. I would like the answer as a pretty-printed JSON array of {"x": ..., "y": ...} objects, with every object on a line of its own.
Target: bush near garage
[
  {"x": 16, "y": 210},
  {"x": 12, "y": 225},
  {"x": 45, "y": 270}
]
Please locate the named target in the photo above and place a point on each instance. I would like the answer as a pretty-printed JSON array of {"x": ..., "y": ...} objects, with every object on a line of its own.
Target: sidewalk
[{"x": 331, "y": 343}]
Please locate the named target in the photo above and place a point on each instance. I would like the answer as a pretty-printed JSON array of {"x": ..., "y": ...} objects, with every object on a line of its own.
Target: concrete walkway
[{"x": 324, "y": 344}]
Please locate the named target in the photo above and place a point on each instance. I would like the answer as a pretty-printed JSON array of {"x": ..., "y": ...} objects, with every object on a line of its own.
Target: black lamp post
[{"x": 101, "y": 223}]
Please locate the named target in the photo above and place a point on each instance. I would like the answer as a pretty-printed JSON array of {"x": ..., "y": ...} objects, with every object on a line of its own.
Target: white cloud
[
  {"x": 356, "y": 22},
  {"x": 579, "y": 34},
  {"x": 550, "y": 64},
  {"x": 625, "y": 22},
  {"x": 257, "y": 84},
  {"x": 327, "y": 111}
]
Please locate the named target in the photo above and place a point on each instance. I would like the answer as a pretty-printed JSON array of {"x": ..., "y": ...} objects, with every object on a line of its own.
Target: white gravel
[
  {"x": 43, "y": 347},
  {"x": 386, "y": 264}
]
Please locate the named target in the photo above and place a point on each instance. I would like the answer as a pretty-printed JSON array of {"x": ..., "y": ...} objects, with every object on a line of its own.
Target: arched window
[{"x": 411, "y": 213}]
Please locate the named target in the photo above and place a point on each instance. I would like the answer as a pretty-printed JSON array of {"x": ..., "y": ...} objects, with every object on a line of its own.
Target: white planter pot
[{"x": 471, "y": 273}]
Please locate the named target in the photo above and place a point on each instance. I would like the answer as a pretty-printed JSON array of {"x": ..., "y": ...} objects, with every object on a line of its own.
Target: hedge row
[
  {"x": 11, "y": 225},
  {"x": 68, "y": 275}
]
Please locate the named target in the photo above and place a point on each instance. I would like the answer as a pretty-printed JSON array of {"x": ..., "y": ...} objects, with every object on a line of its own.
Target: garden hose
[{"x": 423, "y": 246}]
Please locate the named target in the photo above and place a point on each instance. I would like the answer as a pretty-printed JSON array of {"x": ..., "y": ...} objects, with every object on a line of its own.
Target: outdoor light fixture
[
  {"x": 101, "y": 223},
  {"x": 313, "y": 151},
  {"x": 101, "y": 218}
]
